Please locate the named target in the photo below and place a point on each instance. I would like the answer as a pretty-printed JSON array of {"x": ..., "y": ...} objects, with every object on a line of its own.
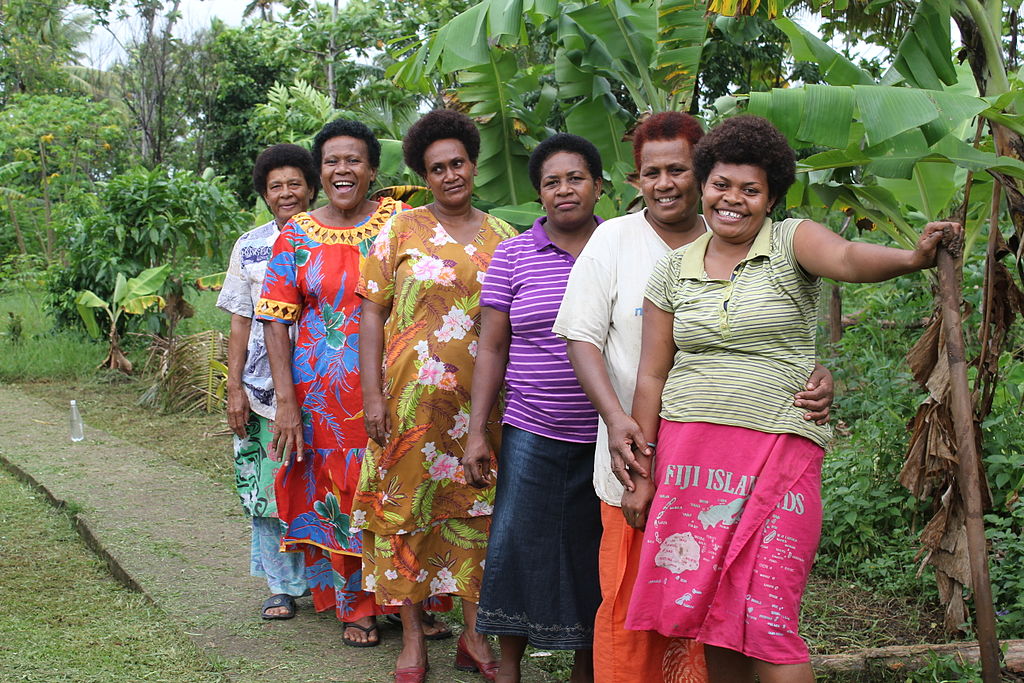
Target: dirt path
[{"x": 183, "y": 540}]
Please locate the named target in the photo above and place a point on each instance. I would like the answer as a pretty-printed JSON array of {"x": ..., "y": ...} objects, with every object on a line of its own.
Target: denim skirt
[{"x": 541, "y": 577}]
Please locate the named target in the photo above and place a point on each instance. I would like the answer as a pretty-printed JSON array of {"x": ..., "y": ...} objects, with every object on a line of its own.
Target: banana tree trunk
[{"x": 962, "y": 408}]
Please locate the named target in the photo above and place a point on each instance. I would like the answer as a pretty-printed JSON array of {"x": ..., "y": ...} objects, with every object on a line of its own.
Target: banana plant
[
  {"x": 598, "y": 51},
  {"x": 133, "y": 296},
  {"x": 889, "y": 143}
]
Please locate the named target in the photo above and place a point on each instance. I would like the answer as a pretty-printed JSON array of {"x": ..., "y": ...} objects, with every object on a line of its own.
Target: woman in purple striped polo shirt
[{"x": 546, "y": 527}]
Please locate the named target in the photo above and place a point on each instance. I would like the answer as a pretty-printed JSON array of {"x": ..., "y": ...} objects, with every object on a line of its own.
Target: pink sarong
[{"x": 730, "y": 539}]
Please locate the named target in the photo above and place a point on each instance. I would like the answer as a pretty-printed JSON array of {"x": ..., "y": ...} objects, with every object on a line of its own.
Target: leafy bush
[
  {"x": 141, "y": 219},
  {"x": 870, "y": 522}
]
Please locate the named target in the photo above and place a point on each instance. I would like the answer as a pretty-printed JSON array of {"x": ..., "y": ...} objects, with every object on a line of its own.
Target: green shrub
[{"x": 140, "y": 219}]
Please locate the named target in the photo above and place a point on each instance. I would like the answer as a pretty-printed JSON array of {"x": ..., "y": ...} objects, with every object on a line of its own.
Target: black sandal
[
  {"x": 365, "y": 629},
  {"x": 279, "y": 600}
]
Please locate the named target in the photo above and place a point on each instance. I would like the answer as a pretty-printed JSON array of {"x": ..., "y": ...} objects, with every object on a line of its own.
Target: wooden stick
[
  {"x": 909, "y": 657},
  {"x": 962, "y": 409}
]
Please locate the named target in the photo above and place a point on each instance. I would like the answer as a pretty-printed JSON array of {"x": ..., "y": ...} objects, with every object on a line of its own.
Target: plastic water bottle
[{"x": 77, "y": 431}]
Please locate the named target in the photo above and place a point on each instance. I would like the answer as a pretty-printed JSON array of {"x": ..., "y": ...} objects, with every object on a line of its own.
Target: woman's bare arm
[
  {"x": 371, "y": 357},
  {"x": 288, "y": 419},
  {"x": 488, "y": 378}
]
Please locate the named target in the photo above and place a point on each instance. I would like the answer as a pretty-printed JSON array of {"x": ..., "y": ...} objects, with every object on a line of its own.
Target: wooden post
[
  {"x": 835, "y": 302},
  {"x": 835, "y": 315},
  {"x": 962, "y": 408}
]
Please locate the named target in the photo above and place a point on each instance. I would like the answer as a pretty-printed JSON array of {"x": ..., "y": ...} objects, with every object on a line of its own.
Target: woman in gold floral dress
[{"x": 424, "y": 528}]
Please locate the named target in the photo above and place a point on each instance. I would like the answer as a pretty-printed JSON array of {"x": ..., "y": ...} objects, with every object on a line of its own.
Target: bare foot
[
  {"x": 583, "y": 667},
  {"x": 414, "y": 653},
  {"x": 479, "y": 647},
  {"x": 508, "y": 674}
]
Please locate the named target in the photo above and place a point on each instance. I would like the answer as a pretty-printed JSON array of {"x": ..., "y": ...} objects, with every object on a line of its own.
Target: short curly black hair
[
  {"x": 347, "y": 128},
  {"x": 752, "y": 140},
  {"x": 564, "y": 142},
  {"x": 440, "y": 124},
  {"x": 277, "y": 156}
]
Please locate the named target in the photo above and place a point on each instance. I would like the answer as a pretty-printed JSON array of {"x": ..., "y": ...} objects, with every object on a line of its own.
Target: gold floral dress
[{"x": 424, "y": 528}]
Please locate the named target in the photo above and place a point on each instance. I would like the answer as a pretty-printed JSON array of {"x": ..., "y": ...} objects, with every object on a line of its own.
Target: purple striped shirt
[{"x": 527, "y": 279}]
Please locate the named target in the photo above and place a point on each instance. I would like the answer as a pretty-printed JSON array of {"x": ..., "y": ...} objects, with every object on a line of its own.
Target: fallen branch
[{"x": 909, "y": 657}]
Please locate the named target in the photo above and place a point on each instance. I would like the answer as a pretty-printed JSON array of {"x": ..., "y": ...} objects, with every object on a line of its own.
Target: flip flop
[
  {"x": 428, "y": 620},
  {"x": 279, "y": 600},
  {"x": 365, "y": 629}
]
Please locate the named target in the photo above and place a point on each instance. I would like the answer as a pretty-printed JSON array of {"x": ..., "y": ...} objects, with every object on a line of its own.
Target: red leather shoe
[
  {"x": 464, "y": 661},
  {"x": 411, "y": 674}
]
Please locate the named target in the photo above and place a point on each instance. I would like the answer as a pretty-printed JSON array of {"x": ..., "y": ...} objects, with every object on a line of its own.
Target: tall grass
[{"x": 37, "y": 352}]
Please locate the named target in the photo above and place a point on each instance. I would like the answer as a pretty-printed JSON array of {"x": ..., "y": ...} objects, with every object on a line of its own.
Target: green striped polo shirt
[{"x": 745, "y": 345}]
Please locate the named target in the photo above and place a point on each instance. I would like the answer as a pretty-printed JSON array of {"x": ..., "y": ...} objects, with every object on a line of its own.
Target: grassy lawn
[{"x": 67, "y": 619}]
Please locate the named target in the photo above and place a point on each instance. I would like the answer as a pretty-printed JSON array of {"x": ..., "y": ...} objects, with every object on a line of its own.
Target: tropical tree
[
  {"x": 141, "y": 219},
  {"x": 132, "y": 296},
  {"x": 52, "y": 147},
  {"x": 38, "y": 41}
]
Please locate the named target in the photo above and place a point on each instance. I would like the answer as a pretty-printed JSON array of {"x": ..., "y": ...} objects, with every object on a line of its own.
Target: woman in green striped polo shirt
[{"x": 733, "y": 505}]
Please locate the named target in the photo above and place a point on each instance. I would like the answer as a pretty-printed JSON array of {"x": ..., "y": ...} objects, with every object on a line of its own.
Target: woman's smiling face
[
  {"x": 345, "y": 172},
  {"x": 287, "y": 193},
  {"x": 736, "y": 201},
  {"x": 668, "y": 183}
]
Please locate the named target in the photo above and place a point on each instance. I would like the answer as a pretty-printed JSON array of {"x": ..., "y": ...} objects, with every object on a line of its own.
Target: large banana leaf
[
  {"x": 649, "y": 47},
  {"x": 85, "y": 302},
  {"x": 682, "y": 29},
  {"x": 145, "y": 283},
  {"x": 924, "y": 54},
  {"x": 494, "y": 94},
  {"x": 835, "y": 68},
  {"x": 900, "y": 125},
  {"x": 137, "y": 305}
]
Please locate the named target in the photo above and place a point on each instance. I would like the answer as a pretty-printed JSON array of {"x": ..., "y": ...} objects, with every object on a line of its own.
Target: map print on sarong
[
  {"x": 694, "y": 530},
  {"x": 732, "y": 529}
]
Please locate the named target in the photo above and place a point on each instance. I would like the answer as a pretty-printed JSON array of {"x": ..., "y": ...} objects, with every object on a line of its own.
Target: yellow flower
[{"x": 48, "y": 138}]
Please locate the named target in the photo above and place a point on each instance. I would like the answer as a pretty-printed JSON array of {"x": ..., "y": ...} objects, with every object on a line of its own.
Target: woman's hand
[
  {"x": 624, "y": 434},
  {"x": 287, "y": 430},
  {"x": 636, "y": 503},
  {"x": 476, "y": 461},
  {"x": 238, "y": 410},
  {"x": 931, "y": 236},
  {"x": 818, "y": 396},
  {"x": 377, "y": 418}
]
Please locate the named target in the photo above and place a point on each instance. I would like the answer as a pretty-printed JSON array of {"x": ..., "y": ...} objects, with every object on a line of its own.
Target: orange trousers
[{"x": 622, "y": 656}]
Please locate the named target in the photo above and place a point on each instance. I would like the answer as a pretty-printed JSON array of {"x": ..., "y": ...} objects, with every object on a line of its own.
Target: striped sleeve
[
  {"x": 662, "y": 281},
  {"x": 497, "y": 289}
]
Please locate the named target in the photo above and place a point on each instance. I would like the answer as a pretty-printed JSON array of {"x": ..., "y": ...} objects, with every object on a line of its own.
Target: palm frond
[{"x": 191, "y": 372}]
